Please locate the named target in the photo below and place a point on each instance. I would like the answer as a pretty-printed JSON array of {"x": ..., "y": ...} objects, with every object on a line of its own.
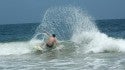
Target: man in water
[{"x": 51, "y": 41}]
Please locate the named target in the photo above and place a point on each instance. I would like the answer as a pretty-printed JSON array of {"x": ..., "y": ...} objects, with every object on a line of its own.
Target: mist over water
[{"x": 65, "y": 22}]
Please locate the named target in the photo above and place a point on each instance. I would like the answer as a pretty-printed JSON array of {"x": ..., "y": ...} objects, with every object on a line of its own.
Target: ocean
[{"x": 84, "y": 43}]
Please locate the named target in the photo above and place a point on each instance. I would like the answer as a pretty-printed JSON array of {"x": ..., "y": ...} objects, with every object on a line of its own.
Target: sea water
[{"x": 86, "y": 44}]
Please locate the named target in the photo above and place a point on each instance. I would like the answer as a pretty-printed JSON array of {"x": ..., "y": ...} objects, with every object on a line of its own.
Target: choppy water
[
  {"x": 52, "y": 61},
  {"x": 85, "y": 44}
]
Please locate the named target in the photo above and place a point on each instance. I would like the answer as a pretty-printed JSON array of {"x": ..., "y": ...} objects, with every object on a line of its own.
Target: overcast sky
[{"x": 30, "y": 11}]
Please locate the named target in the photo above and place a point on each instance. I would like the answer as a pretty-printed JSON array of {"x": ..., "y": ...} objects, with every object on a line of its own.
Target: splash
[
  {"x": 65, "y": 21},
  {"x": 74, "y": 24}
]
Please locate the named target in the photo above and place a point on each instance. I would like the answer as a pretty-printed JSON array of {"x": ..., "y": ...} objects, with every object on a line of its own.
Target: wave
[
  {"x": 19, "y": 48},
  {"x": 97, "y": 42},
  {"x": 31, "y": 47},
  {"x": 11, "y": 48},
  {"x": 84, "y": 43}
]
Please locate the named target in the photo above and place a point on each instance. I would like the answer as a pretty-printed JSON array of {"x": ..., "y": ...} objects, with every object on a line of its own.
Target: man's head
[{"x": 53, "y": 35}]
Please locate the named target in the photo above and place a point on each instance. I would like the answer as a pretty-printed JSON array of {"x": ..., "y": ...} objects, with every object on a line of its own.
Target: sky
[{"x": 32, "y": 11}]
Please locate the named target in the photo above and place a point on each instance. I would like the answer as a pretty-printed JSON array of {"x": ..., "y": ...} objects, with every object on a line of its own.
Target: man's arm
[
  {"x": 47, "y": 33},
  {"x": 56, "y": 42}
]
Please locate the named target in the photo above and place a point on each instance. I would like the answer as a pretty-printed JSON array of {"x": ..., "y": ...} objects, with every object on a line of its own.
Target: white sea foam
[
  {"x": 14, "y": 48},
  {"x": 97, "y": 42},
  {"x": 102, "y": 43},
  {"x": 18, "y": 48}
]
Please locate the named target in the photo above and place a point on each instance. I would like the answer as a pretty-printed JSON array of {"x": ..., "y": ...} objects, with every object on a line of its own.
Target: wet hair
[{"x": 53, "y": 35}]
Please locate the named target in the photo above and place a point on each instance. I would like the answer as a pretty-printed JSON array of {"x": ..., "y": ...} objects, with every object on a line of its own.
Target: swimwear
[{"x": 50, "y": 46}]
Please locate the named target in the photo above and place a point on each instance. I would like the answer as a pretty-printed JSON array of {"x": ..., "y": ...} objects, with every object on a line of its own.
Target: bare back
[{"x": 51, "y": 41}]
